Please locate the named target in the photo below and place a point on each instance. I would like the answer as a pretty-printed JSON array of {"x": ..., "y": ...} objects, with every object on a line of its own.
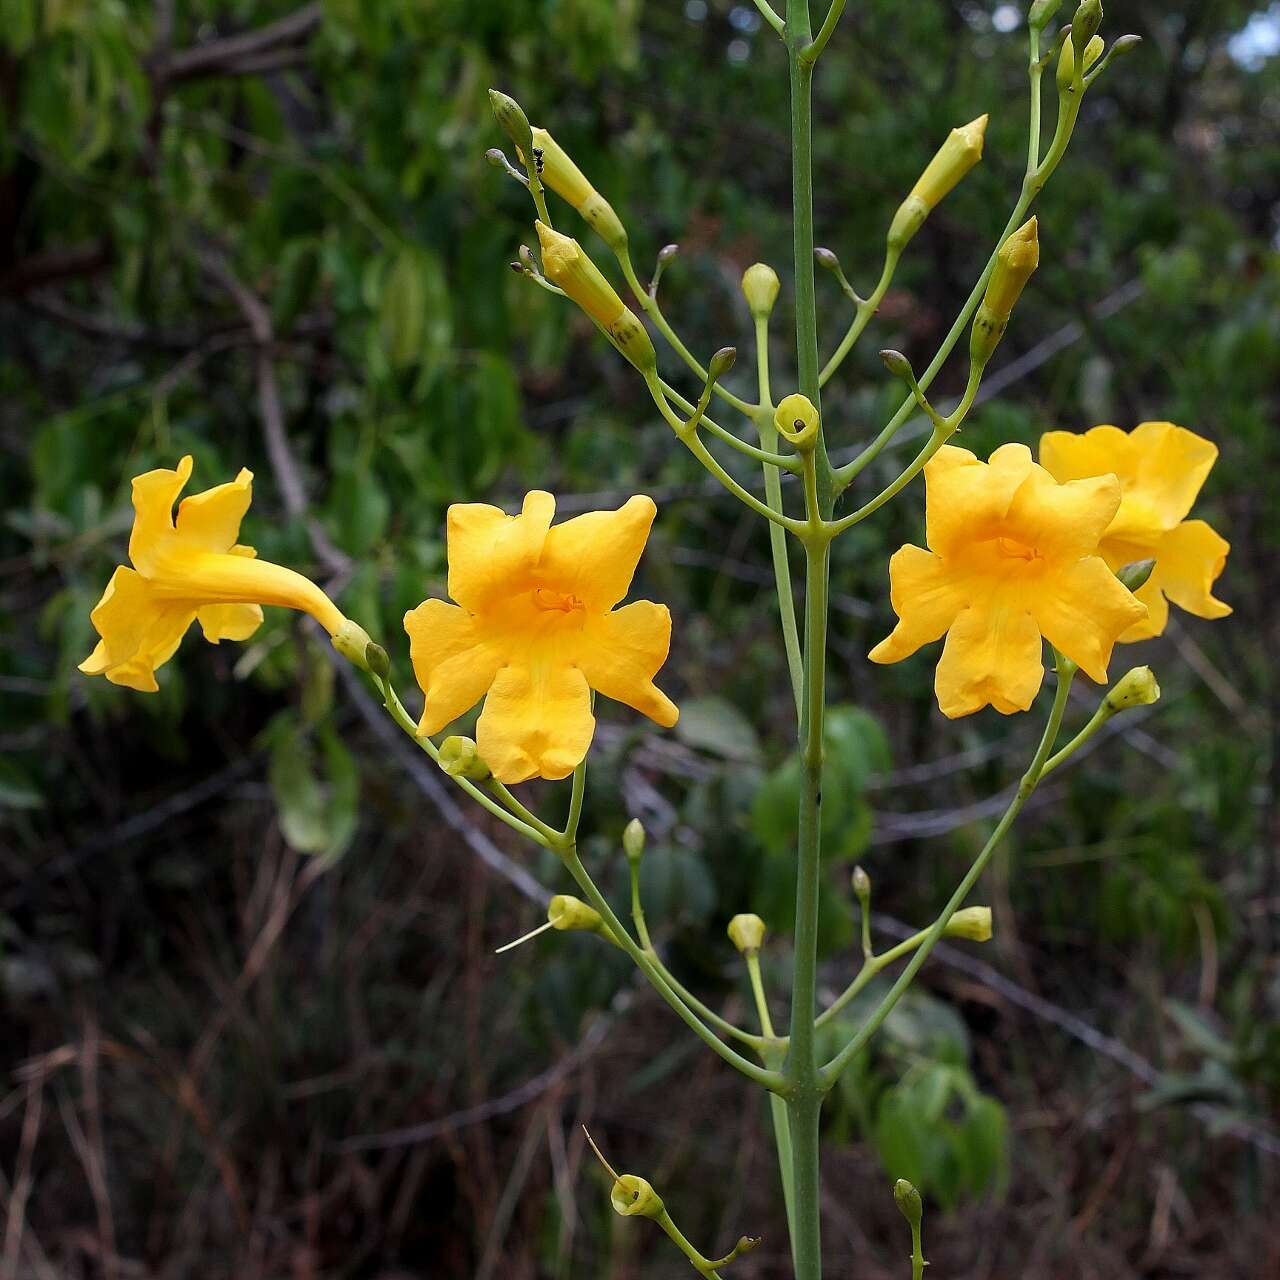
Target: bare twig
[{"x": 218, "y": 57}]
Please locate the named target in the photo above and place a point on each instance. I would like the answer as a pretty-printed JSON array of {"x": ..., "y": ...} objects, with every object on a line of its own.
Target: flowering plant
[{"x": 1082, "y": 550}]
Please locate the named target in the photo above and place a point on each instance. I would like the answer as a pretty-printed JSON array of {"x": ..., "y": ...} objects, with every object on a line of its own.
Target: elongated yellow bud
[
  {"x": 1067, "y": 60},
  {"x": 1016, "y": 262},
  {"x": 567, "y": 266},
  {"x": 973, "y": 923},
  {"x": 961, "y": 151},
  {"x": 557, "y": 170}
]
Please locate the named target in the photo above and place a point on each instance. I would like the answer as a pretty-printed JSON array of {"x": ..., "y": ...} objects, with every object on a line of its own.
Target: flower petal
[
  {"x": 1189, "y": 560},
  {"x": 993, "y": 655},
  {"x": 594, "y": 556},
  {"x": 211, "y": 520},
  {"x": 139, "y": 631},
  {"x": 453, "y": 662},
  {"x": 1062, "y": 521},
  {"x": 229, "y": 621},
  {"x": 489, "y": 549},
  {"x": 1161, "y": 468},
  {"x": 1082, "y": 611},
  {"x": 965, "y": 500},
  {"x": 622, "y": 651},
  {"x": 536, "y": 722},
  {"x": 154, "y": 493},
  {"x": 925, "y": 598}
]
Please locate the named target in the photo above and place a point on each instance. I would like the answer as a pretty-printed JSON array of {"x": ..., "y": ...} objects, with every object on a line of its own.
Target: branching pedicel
[{"x": 1083, "y": 549}]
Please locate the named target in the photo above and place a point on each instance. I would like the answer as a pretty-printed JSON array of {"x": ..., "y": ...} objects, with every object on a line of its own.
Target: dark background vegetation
[{"x": 253, "y": 1025}]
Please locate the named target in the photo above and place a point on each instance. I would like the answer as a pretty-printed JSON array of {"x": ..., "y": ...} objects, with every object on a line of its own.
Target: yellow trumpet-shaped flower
[
  {"x": 1013, "y": 558},
  {"x": 186, "y": 570},
  {"x": 535, "y": 629},
  {"x": 1161, "y": 468}
]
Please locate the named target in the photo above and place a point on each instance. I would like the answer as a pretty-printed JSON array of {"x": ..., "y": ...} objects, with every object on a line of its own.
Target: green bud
[
  {"x": 460, "y": 758},
  {"x": 376, "y": 661},
  {"x": 1125, "y": 45},
  {"x": 632, "y": 1196},
  {"x": 797, "y": 422},
  {"x": 1084, "y": 26},
  {"x": 667, "y": 252},
  {"x": 721, "y": 363},
  {"x": 746, "y": 932},
  {"x": 909, "y": 1203},
  {"x": 1042, "y": 12},
  {"x": 1136, "y": 575},
  {"x": 495, "y": 157},
  {"x": 514, "y": 122},
  {"x": 826, "y": 259},
  {"x": 572, "y": 915},
  {"x": 897, "y": 364},
  {"x": 973, "y": 923},
  {"x": 633, "y": 840},
  {"x": 760, "y": 287},
  {"x": 1136, "y": 688},
  {"x": 861, "y": 886}
]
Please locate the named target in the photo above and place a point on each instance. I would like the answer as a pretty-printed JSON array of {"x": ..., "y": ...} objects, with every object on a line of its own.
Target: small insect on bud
[
  {"x": 514, "y": 122},
  {"x": 1136, "y": 688},
  {"x": 632, "y": 1196},
  {"x": 1067, "y": 61},
  {"x": 633, "y": 838},
  {"x": 1135, "y": 576},
  {"x": 352, "y": 641},
  {"x": 1042, "y": 12},
  {"x": 973, "y": 923},
  {"x": 1016, "y": 262},
  {"x": 460, "y": 758},
  {"x": 747, "y": 932},
  {"x": 557, "y": 170},
  {"x": 797, "y": 422},
  {"x": 760, "y": 287},
  {"x": 567, "y": 266},
  {"x": 909, "y": 1203},
  {"x": 961, "y": 151}
]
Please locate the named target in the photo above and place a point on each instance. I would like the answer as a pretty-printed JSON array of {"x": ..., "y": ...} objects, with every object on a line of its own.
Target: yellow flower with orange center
[
  {"x": 535, "y": 629},
  {"x": 1012, "y": 561},
  {"x": 1161, "y": 469},
  {"x": 187, "y": 570}
]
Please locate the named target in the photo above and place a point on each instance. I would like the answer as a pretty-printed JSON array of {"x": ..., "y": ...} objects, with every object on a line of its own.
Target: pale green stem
[
  {"x": 1033, "y": 184},
  {"x": 651, "y": 308},
  {"x": 522, "y": 811},
  {"x": 871, "y": 966},
  {"x": 391, "y": 700},
  {"x": 771, "y": 1080},
  {"x": 768, "y": 458},
  {"x": 1099, "y": 718},
  {"x": 831, "y": 1072},
  {"x": 576, "y": 796},
  {"x": 770, "y": 15},
  {"x": 811, "y": 53},
  {"x": 866, "y": 308}
]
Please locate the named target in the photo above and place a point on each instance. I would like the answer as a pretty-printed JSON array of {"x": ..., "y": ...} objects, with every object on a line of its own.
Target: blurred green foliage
[{"x": 327, "y": 160}]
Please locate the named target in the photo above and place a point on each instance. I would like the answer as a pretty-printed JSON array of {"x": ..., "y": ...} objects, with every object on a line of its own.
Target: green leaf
[
  {"x": 718, "y": 727},
  {"x": 317, "y": 800},
  {"x": 414, "y": 319}
]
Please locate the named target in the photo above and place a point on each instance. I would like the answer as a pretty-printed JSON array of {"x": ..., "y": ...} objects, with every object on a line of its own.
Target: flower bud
[
  {"x": 1084, "y": 26},
  {"x": 973, "y": 923},
  {"x": 558, "y": 171},
  {"x": 826, "y": 259},
  {"x": 571, "y": 915},
  {"x": 797, "y": 422},
  {"x": 1136, "y": 575},
  {"x": 1042, "y": 12},
  {"x": 760, "y": 287},
  {"x": 897, "y": 364},
  {"x": 909, "y": 1203},
  {"x": 460, "y": 758},
  {"x": 633, "y": 840},
  {"x": 957, "y": 155},
  {"x": 1016, "y": 262},
  {"x": 746, "y": 932},
  {"x": 861, "y": 886},
  {"x": 1067, "y": 60},
  {"x": 514, "y": 122},
  {"x": 352, "y": 641},
  {"x": 721, "y": 362},
  {"x": 1136, "y": 688},
  {"x": 632, "y": 1196},
  {"x": 376, "y": 661},
  {"x": 568, "y": 267}
]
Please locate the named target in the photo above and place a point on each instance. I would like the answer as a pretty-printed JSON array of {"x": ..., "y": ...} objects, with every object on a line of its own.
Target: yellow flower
[
  {"x": 1161, "y": 469},
  {"x": 187, "y": 570},
  {"x": 1012, "y": 558},
  {"x": 535, "y": 629}
]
